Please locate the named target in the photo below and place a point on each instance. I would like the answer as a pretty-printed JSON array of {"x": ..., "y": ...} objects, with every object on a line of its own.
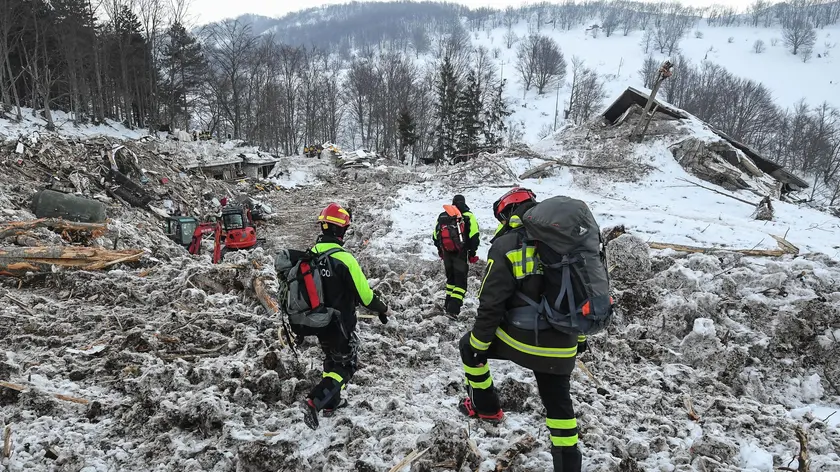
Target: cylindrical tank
[{"x": 51, "y": 204}]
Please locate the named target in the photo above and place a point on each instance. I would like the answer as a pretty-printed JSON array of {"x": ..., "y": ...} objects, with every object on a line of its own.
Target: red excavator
[{"x": 235, "y": 230}]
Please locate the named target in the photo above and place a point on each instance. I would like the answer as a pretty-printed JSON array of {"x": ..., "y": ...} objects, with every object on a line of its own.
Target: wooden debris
[
  {"x": 525, "y": 444},
  {"x": 7, "y": 441},
  {"x": 588, "y": 372},
  {"x": 37, "y": 259},
  {"x": 802, "y": 458},
  {"x": 718, "y": 192},
  {"x": 19, "y": 303},
  {"x": 411, "y": 457},
  {"x": 540, "y": 169},
  {"x": 67, "y": 398},
  {"x": 785, "y": 248},
  {"x": 690, "y": 407},
  {"x": 18, "y": 227}
]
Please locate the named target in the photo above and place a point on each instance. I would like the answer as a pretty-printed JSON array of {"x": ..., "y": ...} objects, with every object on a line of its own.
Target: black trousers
[
  {"x": 555, "y": 394},
  {"x": 340, "y": 348},
  {"x": 456, "y": 266}
]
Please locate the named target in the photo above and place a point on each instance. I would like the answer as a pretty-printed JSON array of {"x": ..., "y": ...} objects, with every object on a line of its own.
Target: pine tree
[
  {"x": 494, "y": 122},
  {"x": 183, "y": 69},
  {"x": 446, "y": 116},
  {"x": 408, "y": 133},
  {"x": 469, "y": 119}
]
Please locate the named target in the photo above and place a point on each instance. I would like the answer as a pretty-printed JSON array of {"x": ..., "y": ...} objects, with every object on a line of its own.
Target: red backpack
[{"x": 451, "y": 229}]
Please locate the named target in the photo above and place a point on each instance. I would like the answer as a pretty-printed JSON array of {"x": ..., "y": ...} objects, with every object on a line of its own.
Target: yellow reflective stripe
[
  {"x": 459, "y": 290},
  {"x": 481, "y": 346},
  {"x": 499, "y": 228},
  {"x": 334, "y": 220},
  {"x": 481, "y": 370},
  {"x": 581, "y": 338},
  {"x": 334, "y": 376},
  {"x": 515, "y": 222},
  {"x": 486, "y": 274},
  {"x": 561, "y": 352},
  {"x": 482, "y": 385},
  {"x": 359, "y": 278},
  {"x": 564, "y": 441},
  {"x": 456, "y": 295},
  {"x": 561, "y": 424},
  {"x": 529, "y": 266}
]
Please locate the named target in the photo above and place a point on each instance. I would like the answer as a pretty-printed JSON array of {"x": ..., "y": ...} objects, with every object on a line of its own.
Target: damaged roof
[{"x": 632, "y": 96}]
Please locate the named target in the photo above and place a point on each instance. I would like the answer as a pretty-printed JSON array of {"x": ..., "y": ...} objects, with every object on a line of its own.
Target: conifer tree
[
  {"x": 494, "y": 122},
  {"x": 469, "y": 119},
  {"x": 184, "y": 66},
  {"x": 446, "y": 116},
  {"x": 408, "y": 132}
]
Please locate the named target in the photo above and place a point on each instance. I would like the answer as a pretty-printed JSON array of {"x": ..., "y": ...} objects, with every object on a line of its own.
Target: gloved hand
[
  {"x": 582, "y": 347},
  {"x": 473, "y": 259},
  {"x": 383, "y": 317}
]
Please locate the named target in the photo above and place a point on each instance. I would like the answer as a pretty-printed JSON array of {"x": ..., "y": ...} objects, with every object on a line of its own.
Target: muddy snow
[{"x": 173, "y": 365}]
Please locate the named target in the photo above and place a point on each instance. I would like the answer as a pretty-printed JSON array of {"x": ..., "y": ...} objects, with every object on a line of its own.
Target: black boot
[{"x": 566, "y": 459}]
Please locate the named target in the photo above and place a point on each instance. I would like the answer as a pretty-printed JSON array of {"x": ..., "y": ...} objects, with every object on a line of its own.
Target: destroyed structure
[{"x": 714, "y": 156}]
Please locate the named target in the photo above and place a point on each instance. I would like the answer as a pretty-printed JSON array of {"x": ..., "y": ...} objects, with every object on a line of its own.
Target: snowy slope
[
  {"x": 659, "y": 208},
  {"x": 10, "y": 130},
  {"x": 620, "y": 57}
]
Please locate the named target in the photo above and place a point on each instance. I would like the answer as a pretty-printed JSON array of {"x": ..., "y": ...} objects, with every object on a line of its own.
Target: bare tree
[
  {"x": 670, "y": 30},
  {"x": 510, "y": 38},
  {"x": 798, "y": 34},
  {"x": 587, "y": 94},
  {"x": 758, "y": 9},
  {"x": 629, "y": 20},
  {"x": 526, "y": 59},
  {"x": 648, "y": 71},
  {"x": 758, "y": 46},
  {"x": 610, "y": 19},
  {"x": 549, "y": 64}
]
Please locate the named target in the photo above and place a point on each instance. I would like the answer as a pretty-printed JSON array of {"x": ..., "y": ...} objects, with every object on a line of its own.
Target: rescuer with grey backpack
[{"x": 546, "y": 288}]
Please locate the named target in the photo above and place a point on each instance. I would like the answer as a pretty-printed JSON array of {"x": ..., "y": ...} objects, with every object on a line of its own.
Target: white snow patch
[
  {"x": 755, "y": 459},
  {"x": 705, "y": 327}
]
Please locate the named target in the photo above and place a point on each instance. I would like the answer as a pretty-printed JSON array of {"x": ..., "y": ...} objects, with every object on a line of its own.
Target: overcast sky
[{"x": 206, "y": 11}]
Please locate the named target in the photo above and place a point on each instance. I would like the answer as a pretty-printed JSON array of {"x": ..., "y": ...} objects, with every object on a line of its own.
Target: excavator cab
[
  {"x": 181, "y": 229},
  {"x": 238, "y": 226}
]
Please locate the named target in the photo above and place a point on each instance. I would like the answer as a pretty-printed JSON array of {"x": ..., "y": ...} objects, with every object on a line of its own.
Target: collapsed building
[{"x": 710, "y": 154}]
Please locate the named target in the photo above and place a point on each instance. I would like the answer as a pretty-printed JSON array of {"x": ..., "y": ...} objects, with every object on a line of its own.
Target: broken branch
[
  {"x": 411, "y": 457},
  {"x": 548, "y": 165},
  {"x": 804, "y": 463},
  {"x": 67, "y": 398},
  {"x": 7, "y": 441},
  {"x": 706, "y": 250},
  {"x": 718, "y": 192},
  {"x": 525, "y": 444}
]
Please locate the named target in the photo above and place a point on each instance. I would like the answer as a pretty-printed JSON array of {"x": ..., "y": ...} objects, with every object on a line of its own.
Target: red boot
[{"x": 466, "y": 408}]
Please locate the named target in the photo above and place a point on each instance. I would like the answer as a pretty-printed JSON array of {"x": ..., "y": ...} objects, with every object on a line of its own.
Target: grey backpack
[
  {"x": 302, "y": 293},
  {"x": 576, "y": 298}
]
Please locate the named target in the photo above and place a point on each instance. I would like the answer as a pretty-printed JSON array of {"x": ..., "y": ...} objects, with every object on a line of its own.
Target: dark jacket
[
  {"x": 345, "y": 285},
  {"x": 507, "y": 272},
  {"x": 470, "y": 226}
]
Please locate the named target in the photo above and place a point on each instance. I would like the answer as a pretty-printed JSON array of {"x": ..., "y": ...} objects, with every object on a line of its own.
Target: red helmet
[
  {"x": 512, "y": 197},
  {"x": 334, "y": 214}
]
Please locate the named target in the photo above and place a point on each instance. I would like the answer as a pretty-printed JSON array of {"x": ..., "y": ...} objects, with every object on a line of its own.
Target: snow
[
  {"x": 658, "y": 208},
  {"x": 704, "y": 327},
  {"x": 755, "y": 459},
  {"x": 618, "y": 58},
  {"x": 11, "y": 130}
]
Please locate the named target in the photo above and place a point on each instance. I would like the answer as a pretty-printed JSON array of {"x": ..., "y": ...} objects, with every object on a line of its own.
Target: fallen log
[
  {"x": 525, "y": 444},
  {"x": 548, "y": 165},
  {"x": 411, "y": 457},
  {"x": 719, "y": 192},
  {"x": 22, "y": 259},
  {"x": 66, "y": 398},
  {"x": 785, "y": 249},
  {"x": 18, "y": 227}
]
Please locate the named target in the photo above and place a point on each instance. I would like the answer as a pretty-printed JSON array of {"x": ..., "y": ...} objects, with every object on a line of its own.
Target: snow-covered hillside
[{"x": 619, "y": 58}]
